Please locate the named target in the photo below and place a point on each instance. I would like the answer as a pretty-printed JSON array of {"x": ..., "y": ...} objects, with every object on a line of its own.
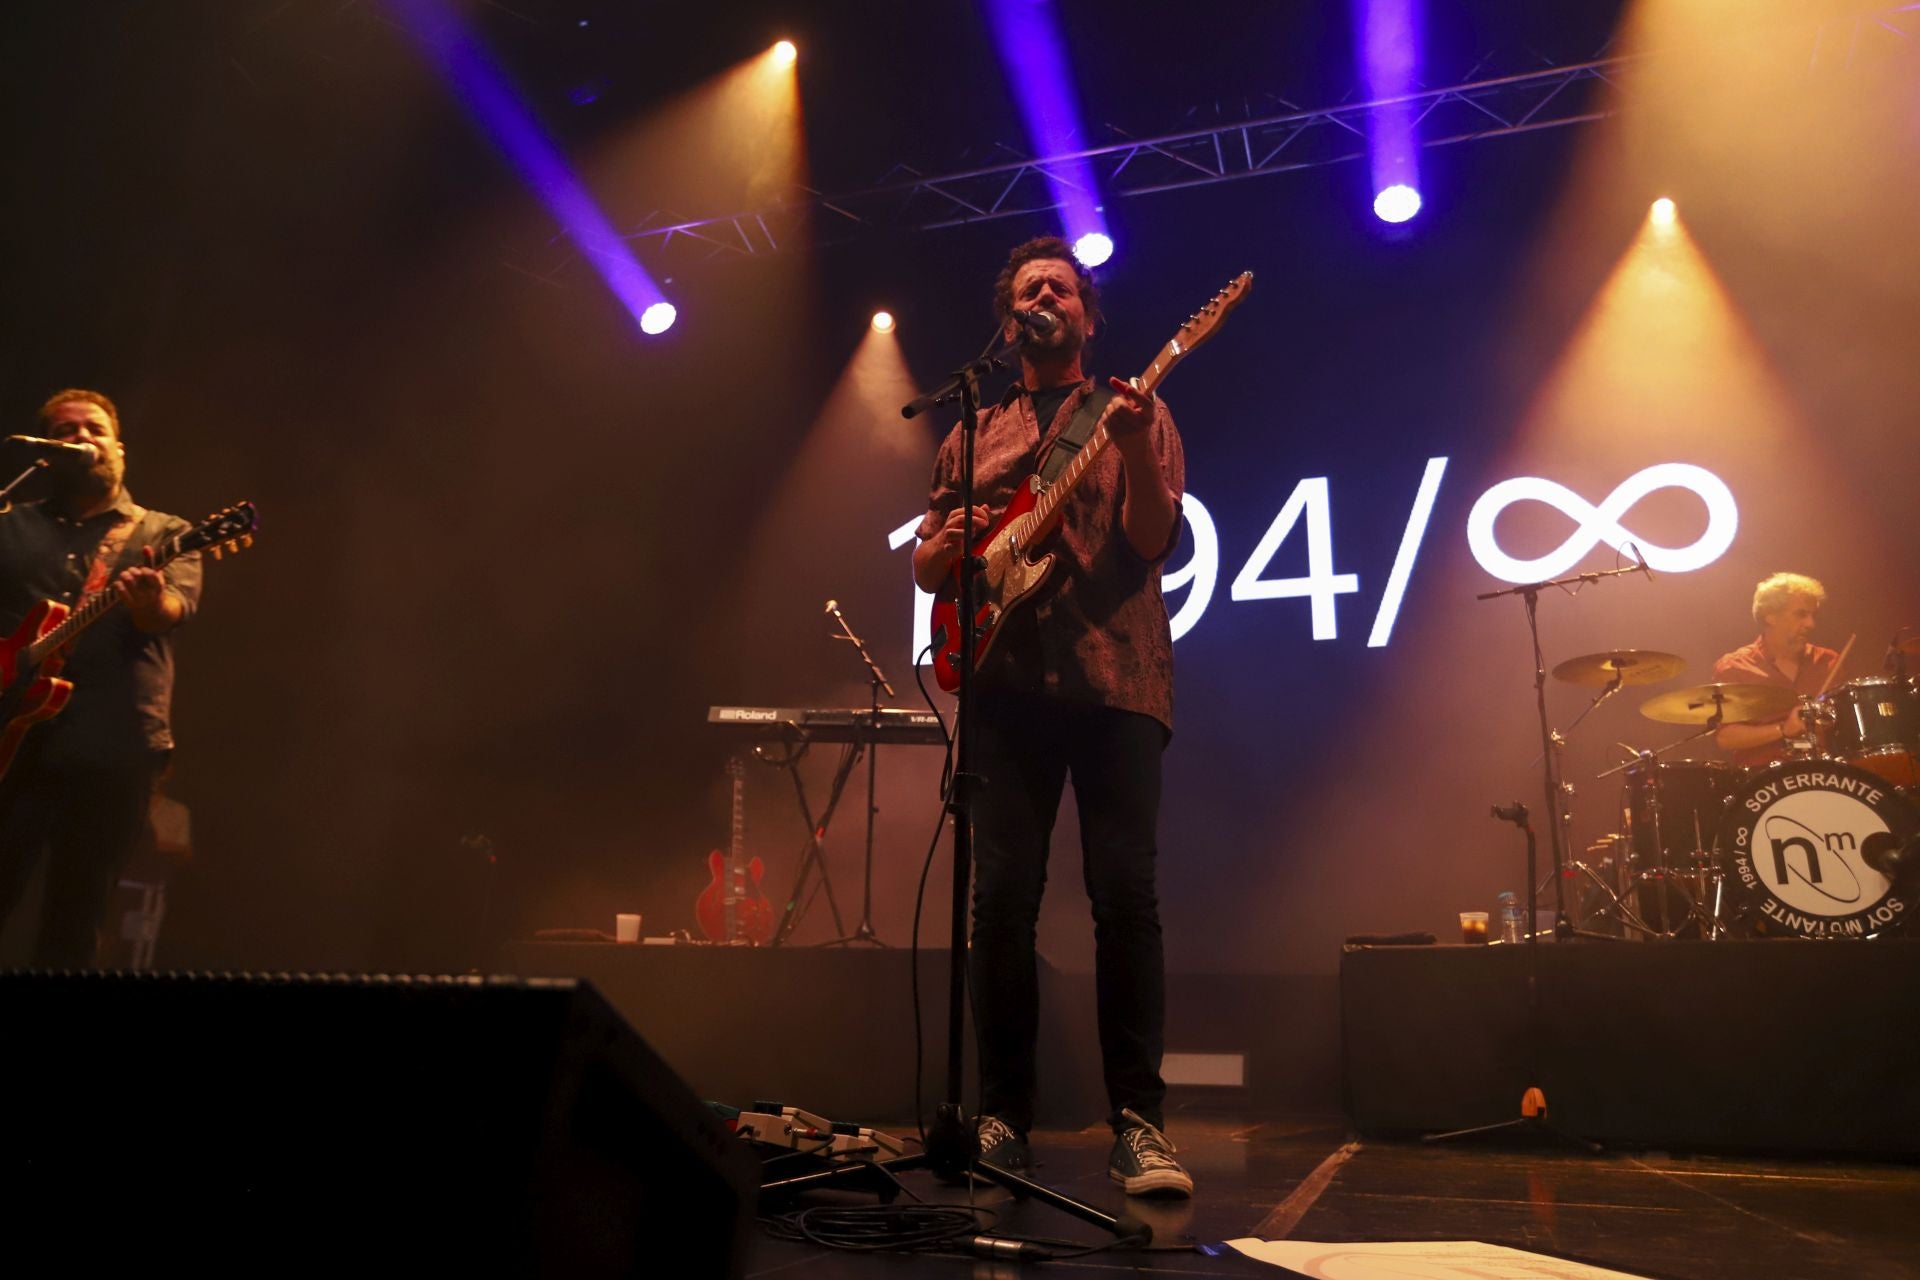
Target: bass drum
[{"x": 1796, "y": 845}]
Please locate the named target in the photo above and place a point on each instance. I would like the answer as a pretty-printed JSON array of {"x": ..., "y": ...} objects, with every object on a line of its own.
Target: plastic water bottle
[{"x": 1509, "y": 917}]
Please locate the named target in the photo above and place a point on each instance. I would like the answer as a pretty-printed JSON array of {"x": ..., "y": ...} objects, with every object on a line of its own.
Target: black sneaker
[
  {"x": 1001, "y": 1146},
  {"x": 1143, "y": 1163}
]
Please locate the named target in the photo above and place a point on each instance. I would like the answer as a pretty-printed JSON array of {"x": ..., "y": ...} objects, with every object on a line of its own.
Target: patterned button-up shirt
[{"x": 1097, "y": 630}]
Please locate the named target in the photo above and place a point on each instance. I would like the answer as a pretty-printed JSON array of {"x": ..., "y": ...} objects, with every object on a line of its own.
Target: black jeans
[
  {"x": 1024, "y": 748},
  {"x": 85, "y": 817}
]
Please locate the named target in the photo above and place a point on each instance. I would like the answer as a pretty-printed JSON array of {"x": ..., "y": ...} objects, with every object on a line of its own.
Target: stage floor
[{"x": 1649, "y": 1214}]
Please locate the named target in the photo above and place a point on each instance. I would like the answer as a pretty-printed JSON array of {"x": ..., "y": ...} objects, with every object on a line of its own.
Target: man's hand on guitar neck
[
  {"x": 152, "y": 604},
  {"x": 933, "y": 559},
  {"x": 1148, "y": 512}
]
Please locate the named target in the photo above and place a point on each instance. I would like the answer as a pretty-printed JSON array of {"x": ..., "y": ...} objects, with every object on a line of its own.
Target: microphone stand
[
  {"x": 6, "y": 492},
  {"x": 1530, "y": 592},
  {"x": 1533, "y": 1101},
  {"x": 953, "y": 1148},
  {"x": 877, "y": 681}
]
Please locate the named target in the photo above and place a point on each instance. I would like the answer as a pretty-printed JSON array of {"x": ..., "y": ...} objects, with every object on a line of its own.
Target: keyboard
[{"x": 831, "y": 724}]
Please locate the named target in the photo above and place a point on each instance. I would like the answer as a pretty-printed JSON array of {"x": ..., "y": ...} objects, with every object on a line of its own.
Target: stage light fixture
[
  {"x": 1093, "y": 248},
  {"x": 883, "y": 322},
  {"x": 1396, "y": 203},
  {"x": 785, "y": 54},
  {"x": 658, "y": 318},
  {"x": 1663, "y": 213}
]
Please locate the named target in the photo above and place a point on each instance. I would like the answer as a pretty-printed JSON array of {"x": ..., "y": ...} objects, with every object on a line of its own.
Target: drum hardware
[{"x": 1616, "y": 674}]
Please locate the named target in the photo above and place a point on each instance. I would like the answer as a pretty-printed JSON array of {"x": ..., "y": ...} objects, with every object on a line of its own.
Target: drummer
[{"x": 1786, "y": 606}]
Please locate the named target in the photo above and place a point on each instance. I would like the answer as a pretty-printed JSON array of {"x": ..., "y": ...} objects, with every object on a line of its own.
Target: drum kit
[{"x": 1822, "y": 842}]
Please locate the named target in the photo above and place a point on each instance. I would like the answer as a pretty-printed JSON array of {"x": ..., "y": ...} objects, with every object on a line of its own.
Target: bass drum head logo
[{"x": 1795, "y": 839}]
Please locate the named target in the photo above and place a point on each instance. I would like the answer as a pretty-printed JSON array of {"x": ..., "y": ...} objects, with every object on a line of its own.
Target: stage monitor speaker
[{"x": 518, "y": 1126}]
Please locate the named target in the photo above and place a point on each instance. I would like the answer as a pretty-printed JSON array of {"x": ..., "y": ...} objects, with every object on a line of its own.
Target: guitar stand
[{"x": 811, "y": 856}]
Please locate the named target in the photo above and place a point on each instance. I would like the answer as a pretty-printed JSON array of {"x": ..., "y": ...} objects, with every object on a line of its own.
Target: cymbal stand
[
  {"x": 877, "y": 681},
  {"x": 1530, "y": 593}
]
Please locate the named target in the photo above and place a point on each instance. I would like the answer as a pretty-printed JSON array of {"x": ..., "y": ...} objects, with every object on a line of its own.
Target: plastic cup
[
  {"x": 626, "y": 928},
  {"x": 1473, "y": 926}
]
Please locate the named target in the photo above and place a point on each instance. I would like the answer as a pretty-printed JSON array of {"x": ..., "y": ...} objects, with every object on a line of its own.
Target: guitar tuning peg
[
  {"x": 246, "y": 540},
  {"x": 215, "y": 551}
]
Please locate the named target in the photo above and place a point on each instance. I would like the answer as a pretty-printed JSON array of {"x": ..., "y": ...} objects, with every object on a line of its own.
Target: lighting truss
[{"x": 1279, "y": 141}]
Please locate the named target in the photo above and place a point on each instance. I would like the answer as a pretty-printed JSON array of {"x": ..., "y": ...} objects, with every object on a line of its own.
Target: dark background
[{"x": 511, "y": 550}]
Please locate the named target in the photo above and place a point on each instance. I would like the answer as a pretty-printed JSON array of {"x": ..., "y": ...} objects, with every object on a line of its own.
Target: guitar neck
[
  {"x": 1046, "y": 508},
  {"x": 88, "y": 612}
]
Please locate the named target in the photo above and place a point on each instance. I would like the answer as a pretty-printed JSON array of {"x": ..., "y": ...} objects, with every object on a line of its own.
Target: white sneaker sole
[{"x": 1166, "y": 1182}]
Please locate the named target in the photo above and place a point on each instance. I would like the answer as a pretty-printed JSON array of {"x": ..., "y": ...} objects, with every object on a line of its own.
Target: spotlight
[
  {"x": 1093, "y": 248},
  {"x": 1663, "y": 213},
  {"x": 883, "y": 322},
  {"x": 1397, "y": 203},
  {"x": 784, "y": 54},
  {"x": 657, "y": 318}
]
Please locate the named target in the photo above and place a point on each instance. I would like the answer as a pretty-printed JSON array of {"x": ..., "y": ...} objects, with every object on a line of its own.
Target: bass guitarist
[
  {"x": 1079, "y": 683},
  {"x": 78, "y": 791}
]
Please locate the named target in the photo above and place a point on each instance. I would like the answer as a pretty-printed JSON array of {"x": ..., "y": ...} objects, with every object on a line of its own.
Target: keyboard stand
[{"x": 812, "y": 853}]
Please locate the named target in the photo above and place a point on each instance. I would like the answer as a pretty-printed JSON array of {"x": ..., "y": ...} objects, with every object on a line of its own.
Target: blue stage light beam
[
  {"x": 480, "y": 85},
  {"x": 1033, "y": 55},
  {"x": 1389, "y": 35}
]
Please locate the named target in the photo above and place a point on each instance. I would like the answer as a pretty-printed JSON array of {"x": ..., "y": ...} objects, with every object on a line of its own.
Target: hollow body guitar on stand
[
  {"x": 733, "y": 908},
  {"x": 31, "y": 689},
  {"x": 1010, "y": 573}
]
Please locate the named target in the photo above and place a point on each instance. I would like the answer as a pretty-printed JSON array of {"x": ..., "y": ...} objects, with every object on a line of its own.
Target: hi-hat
[
  {"x": 1633, "y": 666},
  {"x": 1735, "y": 703}
]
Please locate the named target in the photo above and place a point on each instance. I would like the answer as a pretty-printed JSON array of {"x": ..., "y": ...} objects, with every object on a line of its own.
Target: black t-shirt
[{"x": 122, "y": 677}]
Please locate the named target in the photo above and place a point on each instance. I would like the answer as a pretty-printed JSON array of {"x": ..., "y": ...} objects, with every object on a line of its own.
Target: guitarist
[
  {"x": 78, "y": 792},
  {"x": 1080, "y": 683}
]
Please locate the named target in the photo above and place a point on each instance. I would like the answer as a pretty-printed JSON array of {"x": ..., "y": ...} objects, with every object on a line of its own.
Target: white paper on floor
[{"x": 1419, "y": 1260}]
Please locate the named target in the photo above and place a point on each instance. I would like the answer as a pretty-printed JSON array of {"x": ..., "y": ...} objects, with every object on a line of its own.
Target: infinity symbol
[{"x": 1602, "y": 523}]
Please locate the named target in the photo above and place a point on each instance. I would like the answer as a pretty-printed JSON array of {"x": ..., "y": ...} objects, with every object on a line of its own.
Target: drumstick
[{"x": 1838, "y": 663}]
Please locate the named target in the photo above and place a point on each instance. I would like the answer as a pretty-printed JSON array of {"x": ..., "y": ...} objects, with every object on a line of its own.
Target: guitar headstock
[
  {"x": 227, "y": 531},
  {"x": 1202, "y": 324}
]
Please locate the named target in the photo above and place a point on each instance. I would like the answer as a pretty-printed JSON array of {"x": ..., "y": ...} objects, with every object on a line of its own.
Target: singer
[
  {"x": 1786, "y": 605},
  {"x": 1080, "y": 684},
  {"x": 78, "y": 793}
]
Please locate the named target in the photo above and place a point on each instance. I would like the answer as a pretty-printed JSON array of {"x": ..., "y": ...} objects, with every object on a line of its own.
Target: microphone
[
  {"x": 1641, "y": 561},
  {"x": 1038, "y": 323},
  {"x": 61, "y": 447},
  {"x": 1515, "y": 813}
]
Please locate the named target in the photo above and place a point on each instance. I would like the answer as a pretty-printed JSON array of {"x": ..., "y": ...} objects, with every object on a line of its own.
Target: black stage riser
[
  {"x": 522, "y": 1128},
  {"x": 1782, "y": 1047}
]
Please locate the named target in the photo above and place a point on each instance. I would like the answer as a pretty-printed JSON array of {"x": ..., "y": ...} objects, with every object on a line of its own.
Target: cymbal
[
  {"x": 1737, "y": 703},
  {"x": 1634, "y": 666}
]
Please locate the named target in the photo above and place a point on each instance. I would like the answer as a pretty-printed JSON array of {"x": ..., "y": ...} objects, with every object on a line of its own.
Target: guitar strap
[
  {"x": 120, "y": 549},
  {"x": 1074, "y": 435}
]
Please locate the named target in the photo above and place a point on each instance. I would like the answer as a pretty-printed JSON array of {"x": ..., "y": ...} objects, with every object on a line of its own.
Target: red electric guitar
[
  {"x": 31, "y": 689},
  {"x": 734, "y": 907},
  {"x": 1012, "y": 573}
]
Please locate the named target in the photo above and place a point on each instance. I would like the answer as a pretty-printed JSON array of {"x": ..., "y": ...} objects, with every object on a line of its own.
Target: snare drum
[{"x": 1873, "y": 722}]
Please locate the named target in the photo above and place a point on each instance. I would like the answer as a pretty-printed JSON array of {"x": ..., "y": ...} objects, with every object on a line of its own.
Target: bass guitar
[
  {"x": 734, "y": 907},
  {"x": 31, "y": 690},
  {"x": 1011, "y": 572}
]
